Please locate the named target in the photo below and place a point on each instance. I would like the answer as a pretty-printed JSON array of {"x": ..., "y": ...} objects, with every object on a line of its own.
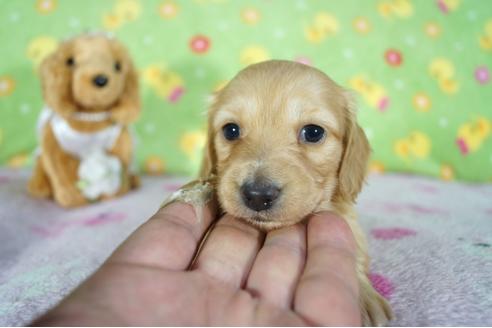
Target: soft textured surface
[
  {"x": 430, "y": 242},
  {"x": 421, "y": 69}
]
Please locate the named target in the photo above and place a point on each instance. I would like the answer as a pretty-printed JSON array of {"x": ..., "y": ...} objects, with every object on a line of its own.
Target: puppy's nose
[
  {"x": 259, "y": 196},
  {"x": 100, "y": 80}
]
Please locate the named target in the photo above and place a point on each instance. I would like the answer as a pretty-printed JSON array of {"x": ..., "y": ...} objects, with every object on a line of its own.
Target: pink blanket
[{"x": 430, "y": 242}]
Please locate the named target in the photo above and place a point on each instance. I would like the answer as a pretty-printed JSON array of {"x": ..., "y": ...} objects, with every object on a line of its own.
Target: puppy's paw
[
  {"x": 375, "y": 310},
  {"x": 196, "y": 193}
]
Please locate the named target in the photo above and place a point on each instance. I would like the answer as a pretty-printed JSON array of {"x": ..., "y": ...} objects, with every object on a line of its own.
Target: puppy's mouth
[
  {"x": 265, "y": 220},
  {"x": 263, "y": 223}
]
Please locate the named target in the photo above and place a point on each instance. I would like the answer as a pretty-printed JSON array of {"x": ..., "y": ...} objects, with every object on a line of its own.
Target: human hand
[{"x": 298, "y": 275}]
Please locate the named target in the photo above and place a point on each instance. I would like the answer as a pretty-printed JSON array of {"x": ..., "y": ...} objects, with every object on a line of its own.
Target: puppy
[
  {"x": 90, "y": 88},
  {"x": 283, "y": 142}
]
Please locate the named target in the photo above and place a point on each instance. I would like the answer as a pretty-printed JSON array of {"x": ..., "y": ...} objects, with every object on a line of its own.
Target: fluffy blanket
[{"x": 430, "y": 242}]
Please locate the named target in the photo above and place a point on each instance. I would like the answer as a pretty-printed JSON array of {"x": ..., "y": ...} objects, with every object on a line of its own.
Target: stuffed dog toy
[
  {"x": 90, "y": 88},
  {"x": 283, "y": 142}
]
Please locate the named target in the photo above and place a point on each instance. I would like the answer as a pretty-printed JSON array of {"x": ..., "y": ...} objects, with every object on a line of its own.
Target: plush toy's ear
[
  {"x": 353, "y": 166},
  {"x": 56, "y": 79},
  {"x": 128, "y": 107},
  {"x": 209, "y": 162}
]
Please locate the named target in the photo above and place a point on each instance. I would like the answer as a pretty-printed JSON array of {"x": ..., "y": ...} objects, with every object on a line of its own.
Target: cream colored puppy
[{"x": 283, "y": 142}]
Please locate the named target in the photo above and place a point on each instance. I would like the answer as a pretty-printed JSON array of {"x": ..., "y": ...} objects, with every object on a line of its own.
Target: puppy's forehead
[{"x": 281, "y": 95}]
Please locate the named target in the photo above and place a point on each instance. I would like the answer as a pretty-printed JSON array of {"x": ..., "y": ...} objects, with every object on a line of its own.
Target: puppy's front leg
[
  {"x": 196, "y": 193},
  {"x": 375, "y": 310}
]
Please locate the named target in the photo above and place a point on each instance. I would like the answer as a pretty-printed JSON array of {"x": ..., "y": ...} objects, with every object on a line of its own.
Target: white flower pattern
[{"x": 99, "y": 174}]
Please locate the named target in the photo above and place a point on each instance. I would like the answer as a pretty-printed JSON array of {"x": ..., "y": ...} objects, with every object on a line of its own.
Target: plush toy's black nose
[
  {"x": 100, "y": 80},
  {"x": 259, "y": 196}
]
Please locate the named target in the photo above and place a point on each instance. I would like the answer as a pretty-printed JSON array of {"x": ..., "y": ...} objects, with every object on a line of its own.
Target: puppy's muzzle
[{"x": 259, "y": 195}]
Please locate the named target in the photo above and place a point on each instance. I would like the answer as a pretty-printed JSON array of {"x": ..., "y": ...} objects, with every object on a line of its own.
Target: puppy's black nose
[
  {"x": 100, "y": 80},
  {"x": 259, "y": 196}
]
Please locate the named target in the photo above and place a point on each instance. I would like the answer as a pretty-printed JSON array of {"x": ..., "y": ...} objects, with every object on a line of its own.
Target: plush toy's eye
[
  {"x": 231, "y": 131},
  {"x": 70, "y": 62},
  {"x": 311, "y": 133},
  {"x": 117, "y": 66}
]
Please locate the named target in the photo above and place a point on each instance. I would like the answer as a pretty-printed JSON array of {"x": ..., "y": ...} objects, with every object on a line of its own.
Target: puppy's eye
[
  {"x": 311, "y": 133},
  {"x": 70, "y": 61},
  {"x": 231, "y": 131},
  {"x": 117, "y": 66}
]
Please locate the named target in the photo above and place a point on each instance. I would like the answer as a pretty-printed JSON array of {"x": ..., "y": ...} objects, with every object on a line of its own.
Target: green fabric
[{"x": 421, "y": 69}]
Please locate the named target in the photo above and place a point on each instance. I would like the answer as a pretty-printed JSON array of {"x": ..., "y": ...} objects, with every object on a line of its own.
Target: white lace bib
[{"x": 79, "y": 144}]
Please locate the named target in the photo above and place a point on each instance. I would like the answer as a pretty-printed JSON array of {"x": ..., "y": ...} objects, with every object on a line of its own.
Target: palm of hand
[{"x": 240, "y": 277}]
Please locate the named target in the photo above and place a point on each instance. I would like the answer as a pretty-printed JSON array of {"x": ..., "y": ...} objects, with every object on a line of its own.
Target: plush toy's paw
[
  {"x": 39, "y": 188},
  {"x": 375, "y": 310},
  {"x": 39, "y": 185},
  {"x": 70, "y": 198},
  {"x": 134, "y": 181},
  {"x": 124, "y": 115}
]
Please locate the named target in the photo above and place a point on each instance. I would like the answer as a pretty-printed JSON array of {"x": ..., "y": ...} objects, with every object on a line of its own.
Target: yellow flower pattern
[
  {"x": 18, "y": 161},
  {"x": 471, "y": 135},
  {"x": 373, "y": 92},
  {"x": 154, "y": 165},
  {"x": 442, "y": 70},
  {"x": 422, "y": 102},
  {"x": 168, "y": 9},
  {"x": 485, "y": 40},
  {"x": 253, "y": 54},
  {"x": 362, "y": 25},
  {"x": 322, "y": 26},
  {"x": 420, "y": 71},
  {"x": 192, "y": 144},
  {"x": 39, "y": 48},
  {"x": 124, "y": 11},
  {"x": 415, "y": 146},
  {"x": 432, "y": 30},
  {"x": 395, "y": 8},
  {"x": 165, "y": 83},
  {"x": 7, "y": 86},
  {"x": 250, "y": 16},
  {"x": 46, "y": 6}
]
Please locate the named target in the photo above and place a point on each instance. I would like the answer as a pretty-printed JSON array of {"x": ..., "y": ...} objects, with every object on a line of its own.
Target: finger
[
  {"x": 327, "y": 293},
  {"x": 278, "y": 266},
  {"x": 168, "y": 240},
  {"x": 229, "y": 251}
]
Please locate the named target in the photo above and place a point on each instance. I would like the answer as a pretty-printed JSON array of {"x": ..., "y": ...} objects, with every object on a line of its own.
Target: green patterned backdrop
[{"x": 421, "y": 70}]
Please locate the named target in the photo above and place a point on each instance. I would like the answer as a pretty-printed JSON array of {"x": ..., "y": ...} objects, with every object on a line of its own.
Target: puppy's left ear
[
  {"x": 209, "y": 162},
  {"x": 128, "y": 107},
  {"x": 353, "y": 166}
]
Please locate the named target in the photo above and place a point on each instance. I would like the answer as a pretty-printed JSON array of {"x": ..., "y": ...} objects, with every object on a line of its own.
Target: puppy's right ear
[
  {"x": 353, "y": 166},
  {"x": 56, "y": 79},
  {"x": 209, "y": 162}
]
